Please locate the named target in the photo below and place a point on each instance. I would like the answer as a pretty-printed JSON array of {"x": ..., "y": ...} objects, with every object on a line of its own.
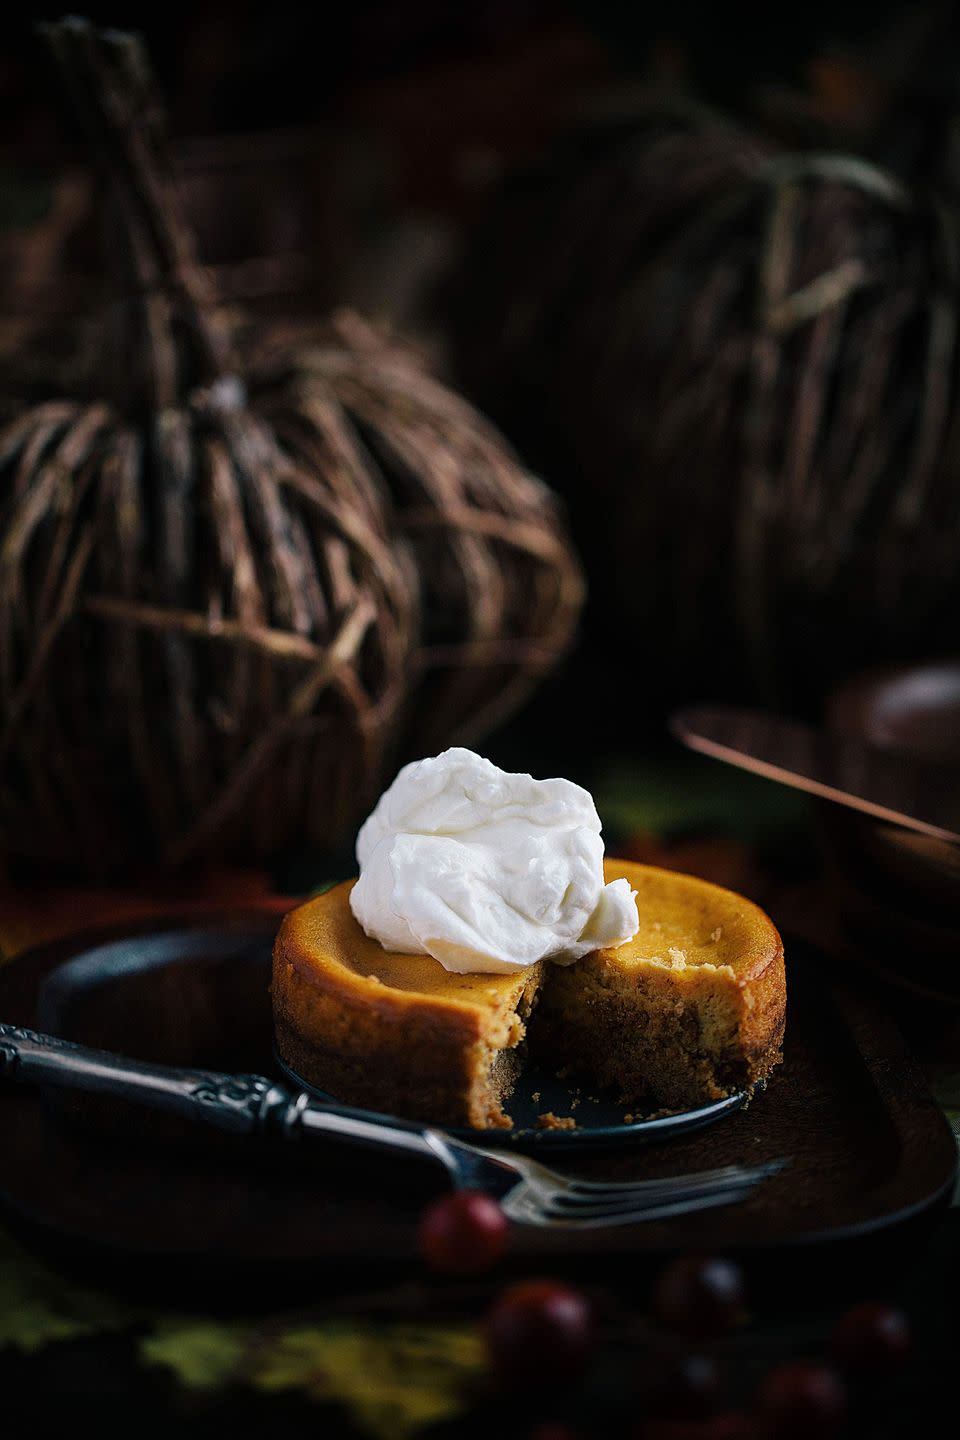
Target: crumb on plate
[{"x": 549, "y": 1121}]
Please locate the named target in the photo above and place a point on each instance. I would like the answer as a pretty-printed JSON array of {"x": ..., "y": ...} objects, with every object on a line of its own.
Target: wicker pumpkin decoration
[
  {"x": 209, "y": 616},
  {"x": 501, "y": 591},
  {"x": 742, "y": 366}
]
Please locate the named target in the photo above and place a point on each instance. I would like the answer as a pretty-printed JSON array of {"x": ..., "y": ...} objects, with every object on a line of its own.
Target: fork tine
[
  {"x": 663, "y": 1210},
  {"x": 557, "y": 1210},
  {"x": 662, "y": 1192},
  {"x": 670, "y": 1185}
]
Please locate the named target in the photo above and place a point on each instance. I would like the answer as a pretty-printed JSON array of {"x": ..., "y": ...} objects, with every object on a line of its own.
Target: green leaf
[
  {"x": 202, "y": 1353},
  {"x": 38, "y": 1307},
  {"x": 392, "y": 1379}
]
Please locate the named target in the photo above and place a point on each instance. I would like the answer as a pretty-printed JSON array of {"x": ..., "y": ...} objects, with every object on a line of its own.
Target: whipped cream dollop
[{"x": 487, "y": 871}]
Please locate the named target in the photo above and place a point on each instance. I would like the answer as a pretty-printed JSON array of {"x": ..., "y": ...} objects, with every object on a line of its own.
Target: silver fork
[
  {"x": 532, "y": 1194},
  {"x": 528, "y": 1192}
]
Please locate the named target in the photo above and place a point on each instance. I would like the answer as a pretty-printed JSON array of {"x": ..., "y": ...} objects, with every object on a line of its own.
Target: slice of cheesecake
[{"x": 394, "y": 1033}]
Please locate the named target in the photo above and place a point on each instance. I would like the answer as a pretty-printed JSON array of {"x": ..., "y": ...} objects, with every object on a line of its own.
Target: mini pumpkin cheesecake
[{"x": 689, "y": 1010}]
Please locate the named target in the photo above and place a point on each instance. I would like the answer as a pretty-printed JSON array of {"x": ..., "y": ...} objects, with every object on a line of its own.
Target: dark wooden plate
[{"x": 869, "y": 1147}]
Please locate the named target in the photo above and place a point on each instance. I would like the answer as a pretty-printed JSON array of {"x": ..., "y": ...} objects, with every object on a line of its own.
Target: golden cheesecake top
[{"x": 685, "y": 923}]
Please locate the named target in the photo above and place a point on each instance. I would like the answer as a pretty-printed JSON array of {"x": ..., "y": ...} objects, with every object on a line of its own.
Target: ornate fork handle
[{"x": 244, "y": 1104}]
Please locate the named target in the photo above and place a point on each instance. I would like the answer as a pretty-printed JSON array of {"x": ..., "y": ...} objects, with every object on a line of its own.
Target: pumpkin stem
[{"x": 111, "y": 86}]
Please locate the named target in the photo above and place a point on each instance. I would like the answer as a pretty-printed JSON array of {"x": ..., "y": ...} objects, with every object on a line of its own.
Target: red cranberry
[
  {"x": 699, "y": 1297},
  {"x": 464, "y": 1233},
  {"x": 539, "y": 1330},
  {"x": 802, "y": 1399},
  {"x": 872, "y": 1339}
]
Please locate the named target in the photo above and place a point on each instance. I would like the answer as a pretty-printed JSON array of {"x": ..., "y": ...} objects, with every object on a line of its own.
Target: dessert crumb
[
  {"x": 549, "y": 1121},
  {"x": 628, "y": 1119},
  {"x": 715, "y": 934},
  {"x": 536, "y": 1097},
  {"x": 574, "y": 1102}
]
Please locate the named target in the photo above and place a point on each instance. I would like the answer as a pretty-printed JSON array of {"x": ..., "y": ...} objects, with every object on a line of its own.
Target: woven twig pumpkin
[
  {"x": 743, "y": 366},
  {"x": 500, "y": 589},
  {"x": 208, "y": 618}
]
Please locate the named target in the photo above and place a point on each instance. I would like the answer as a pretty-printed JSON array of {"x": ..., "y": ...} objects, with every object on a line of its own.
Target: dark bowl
[
  {"x": 914, "y": 709},
  {"x": 900, "y": 891}
]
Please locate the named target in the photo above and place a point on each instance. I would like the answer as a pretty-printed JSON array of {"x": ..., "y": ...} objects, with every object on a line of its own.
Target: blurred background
[
  {"x": 696, "y": 263},
  {"x": 400, "y": 373}
]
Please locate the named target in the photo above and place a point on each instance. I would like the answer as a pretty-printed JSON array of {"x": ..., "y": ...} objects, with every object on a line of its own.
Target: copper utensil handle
[{"x": 890, "y": 787}]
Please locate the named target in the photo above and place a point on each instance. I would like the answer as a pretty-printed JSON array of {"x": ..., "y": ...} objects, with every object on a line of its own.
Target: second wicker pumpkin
[{"x": 743, "y": 366}]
